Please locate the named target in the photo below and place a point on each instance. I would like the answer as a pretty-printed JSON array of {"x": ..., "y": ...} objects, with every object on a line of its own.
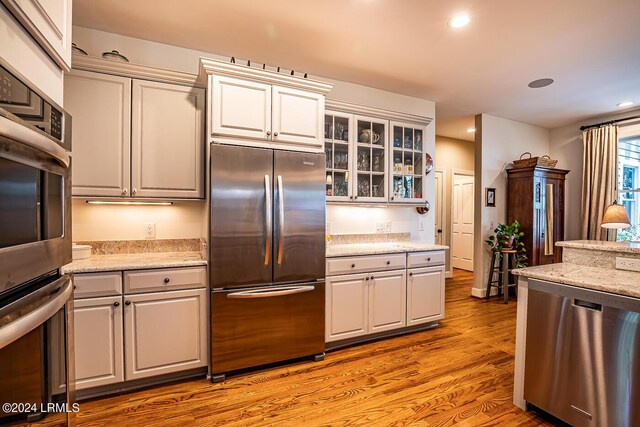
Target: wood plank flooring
[{"x": 460, "y": 373}]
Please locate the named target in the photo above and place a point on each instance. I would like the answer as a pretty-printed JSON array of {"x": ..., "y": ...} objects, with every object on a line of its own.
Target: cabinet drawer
[
  {"x": 164, "y": 279},
  {"x": 97, "y": 284},
  {"x": 425, "y": 259},
  {"x": 337, "y": 266}
]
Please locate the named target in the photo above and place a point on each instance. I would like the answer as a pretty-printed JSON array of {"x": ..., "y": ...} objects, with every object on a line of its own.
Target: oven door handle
[
  {"x": 18, "y": 132},
  {"x": 273, "y": 292},
  {"x": 38, "y": 315}
]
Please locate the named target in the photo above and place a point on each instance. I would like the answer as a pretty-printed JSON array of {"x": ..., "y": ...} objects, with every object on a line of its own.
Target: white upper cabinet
[
  {"x": 262, "y": 108},
  {"x": 407, "y": 163},
  {"x": 100, "y": 106},
  {"x": 49, "y": 23},
  {"x": 240, "y": 108},
  {"x": 149, "y": 144},
  {"x": 167, "y": 145},
  {"x": 297, "y": 117}
]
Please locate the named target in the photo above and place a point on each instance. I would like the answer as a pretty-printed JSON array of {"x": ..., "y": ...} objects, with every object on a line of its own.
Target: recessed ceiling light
[
  {"x": 625, "y": 104},
  {"x": 459, "y": 21},
  {"x": 540, "y": 83},
  {"x": 471, "y": 130}
]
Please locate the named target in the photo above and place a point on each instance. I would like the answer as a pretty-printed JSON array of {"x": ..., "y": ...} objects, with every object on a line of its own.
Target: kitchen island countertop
[
  {"x": 137, "y": 261},
  {"x": 356, "y": 249}
]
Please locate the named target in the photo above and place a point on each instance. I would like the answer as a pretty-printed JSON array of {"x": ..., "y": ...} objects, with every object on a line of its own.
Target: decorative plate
[{"x": 428, "y": 163}]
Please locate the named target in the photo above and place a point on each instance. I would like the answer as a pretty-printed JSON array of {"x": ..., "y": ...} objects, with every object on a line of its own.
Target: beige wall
[
  {"x": 566, "y": 146},
  {"x": 355, "y": 220},
  {"x": 498, "y": 142},
  {"x": 182, "y": 220},
  {"x": 452, "y": 154}
]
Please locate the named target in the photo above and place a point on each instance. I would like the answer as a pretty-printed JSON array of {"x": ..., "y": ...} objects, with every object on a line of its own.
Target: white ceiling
[{"x": 590, "y": 47}]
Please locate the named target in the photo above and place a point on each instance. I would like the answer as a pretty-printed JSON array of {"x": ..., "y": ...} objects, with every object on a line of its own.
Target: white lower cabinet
[
  {"x": 360, "y": 304},
  {"x": 165, "y": 332},
  {"x": 98, "y": 341},
  {"x": 425, "y": 295}
]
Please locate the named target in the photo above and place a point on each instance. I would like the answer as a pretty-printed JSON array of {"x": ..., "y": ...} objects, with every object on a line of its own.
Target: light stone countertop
[
  {"x": 137, "y": 261},
  {"x": 356, "y": 249},
  {"x": 618, "y": 282},
  {"x": 596, "y": 245}
]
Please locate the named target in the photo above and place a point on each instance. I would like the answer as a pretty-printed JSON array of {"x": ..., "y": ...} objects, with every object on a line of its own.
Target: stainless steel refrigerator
[{"x": 267, "y": 256}]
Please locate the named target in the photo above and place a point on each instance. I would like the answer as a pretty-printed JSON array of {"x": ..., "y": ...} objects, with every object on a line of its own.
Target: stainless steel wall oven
[{"x": 36, "y": 304}]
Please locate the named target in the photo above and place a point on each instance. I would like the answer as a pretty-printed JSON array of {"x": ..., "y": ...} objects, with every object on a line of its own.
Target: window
[{"x": 629, "y": 179}]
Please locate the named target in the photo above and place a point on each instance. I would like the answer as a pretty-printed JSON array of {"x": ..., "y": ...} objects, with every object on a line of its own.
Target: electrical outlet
[
  {"x": 328, "y": 227},
  {"x": 492, "y": 225},
  {"x": 631, "y": 264},
  {"x": 150, "y": 230},
  {"x": 379, "y": 226},
  {"x": 387, "y": 226},
  {"x": 420, "y": 224}
]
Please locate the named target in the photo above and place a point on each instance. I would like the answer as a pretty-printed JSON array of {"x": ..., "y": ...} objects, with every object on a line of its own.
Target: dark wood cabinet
[{"x": 535, "y": 197}]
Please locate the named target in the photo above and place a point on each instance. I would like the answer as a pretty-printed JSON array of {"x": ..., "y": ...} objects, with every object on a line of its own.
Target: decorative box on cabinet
[
  {"x": 535, "y": 198},
  {"x": 135, "y": 138}
]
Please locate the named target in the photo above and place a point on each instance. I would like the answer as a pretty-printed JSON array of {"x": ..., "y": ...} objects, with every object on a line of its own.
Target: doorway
[{"x": 462, "y": 211}]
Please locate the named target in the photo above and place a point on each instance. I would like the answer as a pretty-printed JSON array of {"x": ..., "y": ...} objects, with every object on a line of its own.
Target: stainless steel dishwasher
[{"x": 583, "y": 355}]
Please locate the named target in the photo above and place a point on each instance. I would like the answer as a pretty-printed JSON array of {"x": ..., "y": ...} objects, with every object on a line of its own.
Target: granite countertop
[
  {"x": 136, "y": 261},
  {"x": 355, "y": 249},
  {"x": 596, "y": 245},
  {"x": 619, "y": 282}
]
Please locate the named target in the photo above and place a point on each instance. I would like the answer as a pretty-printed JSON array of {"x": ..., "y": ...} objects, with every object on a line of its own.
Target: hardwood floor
[{"x": 460, "y": 373}]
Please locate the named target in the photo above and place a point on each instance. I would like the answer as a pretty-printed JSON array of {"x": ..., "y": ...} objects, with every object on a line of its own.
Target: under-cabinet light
[{"x": 115, "y": 202}]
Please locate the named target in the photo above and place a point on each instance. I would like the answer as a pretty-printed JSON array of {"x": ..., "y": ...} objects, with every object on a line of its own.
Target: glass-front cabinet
[
  {"x": 370, "y": 160},
  {"x": 337, "y": 147},
  {"x": 407, "y": 163}
]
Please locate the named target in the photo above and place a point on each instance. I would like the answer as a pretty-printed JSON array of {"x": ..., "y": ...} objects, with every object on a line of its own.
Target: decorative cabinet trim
[
  {"x": 222, "y": 68},
  {"x": 136, "y": 71},
  {"x": 347, "y": 107}
]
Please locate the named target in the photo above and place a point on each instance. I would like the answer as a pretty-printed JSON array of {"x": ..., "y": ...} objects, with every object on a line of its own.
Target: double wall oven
[{"x": 36, "y": 312}]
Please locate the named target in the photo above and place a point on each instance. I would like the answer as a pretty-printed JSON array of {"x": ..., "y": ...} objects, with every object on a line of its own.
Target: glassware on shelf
[
  {"x": 408, "y": 184},
  {"x": 417, "y": 143},
  {"x": 363, "y": 161},
  {"x": 398, "y": 189},
  {"x": 363, "y": 187},
  {"x": 329, "y": 157},
  {"x": 341, "y": 161},
  {"x": 378, "y": 161}
]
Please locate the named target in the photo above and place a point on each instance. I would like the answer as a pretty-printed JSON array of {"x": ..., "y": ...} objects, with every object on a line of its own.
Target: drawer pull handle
[
  {"x": 127, "y": 303},
  {"x": 353, "y": 266},
  {"x": 388, "y": 262},
  {"x": 166, "y": 280},
  {"x": 429, "y": 259},
  {"x": 115, "y": 304}
]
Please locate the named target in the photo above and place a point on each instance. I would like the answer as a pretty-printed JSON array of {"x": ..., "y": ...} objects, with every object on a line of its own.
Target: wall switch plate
[
  {"x": 631, "y": 264},
  {"x": 387, "y": 226},
  {"x": 150, "y": 231},
  {"x": 492, "y": 225},
  {"x": 379, "y": 226},
  {"x": 420, "y": 224}
]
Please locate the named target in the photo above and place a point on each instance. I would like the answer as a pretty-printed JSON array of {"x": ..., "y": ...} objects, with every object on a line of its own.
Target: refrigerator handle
[
  {"x": 267, "y": 219},
  {"x": 280, "y": 218}
]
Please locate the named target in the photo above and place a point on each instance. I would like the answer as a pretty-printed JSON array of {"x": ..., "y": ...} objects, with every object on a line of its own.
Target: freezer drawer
[
  {"x": 583, "y": 355},
  {"x": 256, "y": 326}
]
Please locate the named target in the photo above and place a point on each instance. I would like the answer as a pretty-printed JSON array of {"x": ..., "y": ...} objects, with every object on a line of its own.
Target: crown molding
[
  {"x": 222, "y": 68},
  {"x": 348, "y": 107},
  {"x": 127, "y": 69}
]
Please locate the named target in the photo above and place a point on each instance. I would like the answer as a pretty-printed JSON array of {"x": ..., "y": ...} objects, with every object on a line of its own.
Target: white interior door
[
  {"x": 439, "y": 175},
  {"x": 462, "y": 222}
]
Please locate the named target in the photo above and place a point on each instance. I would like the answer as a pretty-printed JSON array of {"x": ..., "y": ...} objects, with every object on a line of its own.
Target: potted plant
[{"x": 507, "y": 236}]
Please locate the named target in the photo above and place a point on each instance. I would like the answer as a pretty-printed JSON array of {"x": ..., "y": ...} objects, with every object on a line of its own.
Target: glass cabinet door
[
  {"x": 337, "y": 136},
  {"x": 407, "y": 163},
  {"x": 370, "y": 159}
]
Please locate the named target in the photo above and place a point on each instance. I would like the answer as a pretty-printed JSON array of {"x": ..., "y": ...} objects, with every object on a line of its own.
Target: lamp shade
[{"x": 615, "y": 217}]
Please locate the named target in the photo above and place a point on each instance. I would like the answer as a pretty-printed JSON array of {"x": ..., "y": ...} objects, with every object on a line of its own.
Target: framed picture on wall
[{"x": 490, "y": 197}]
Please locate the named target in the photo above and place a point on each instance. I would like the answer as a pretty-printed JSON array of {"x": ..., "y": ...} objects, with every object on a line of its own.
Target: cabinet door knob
[
  {"x": 134, "y": 191},
  {"x": 393, "y": 198},
  {"x": 115, "y": 304},
  {"x": 268, "y": 133},
  {"x": 351, "y": 197},
  {"x": 410, "y": 274},
  {"x": 355, "y": 197},
  {"x": 429, "y": 259},
  {"x": 366, "y": 278},
  {"x": 125, "y": 191},
  {"x": 166, "y": 280},
  {"x": 388, "y": 262},
  {"x": 353, "y": 266},
  {"x": 275, "y": 134},
  {"x": 127, "y": 303}
]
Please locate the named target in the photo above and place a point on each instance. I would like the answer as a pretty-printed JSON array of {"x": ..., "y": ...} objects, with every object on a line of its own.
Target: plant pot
[{"x": 508, "y": 244}]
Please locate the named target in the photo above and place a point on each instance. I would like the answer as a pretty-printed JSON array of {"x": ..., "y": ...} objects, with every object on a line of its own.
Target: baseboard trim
[
  {"x": 482, "y": 292},
  {"x": 448, "y": 274}
]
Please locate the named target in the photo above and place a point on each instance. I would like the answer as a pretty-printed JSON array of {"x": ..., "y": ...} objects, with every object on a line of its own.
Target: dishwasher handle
[
  {"x": 586, "y": 304},
  {"x": 274, "y": 292}
]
